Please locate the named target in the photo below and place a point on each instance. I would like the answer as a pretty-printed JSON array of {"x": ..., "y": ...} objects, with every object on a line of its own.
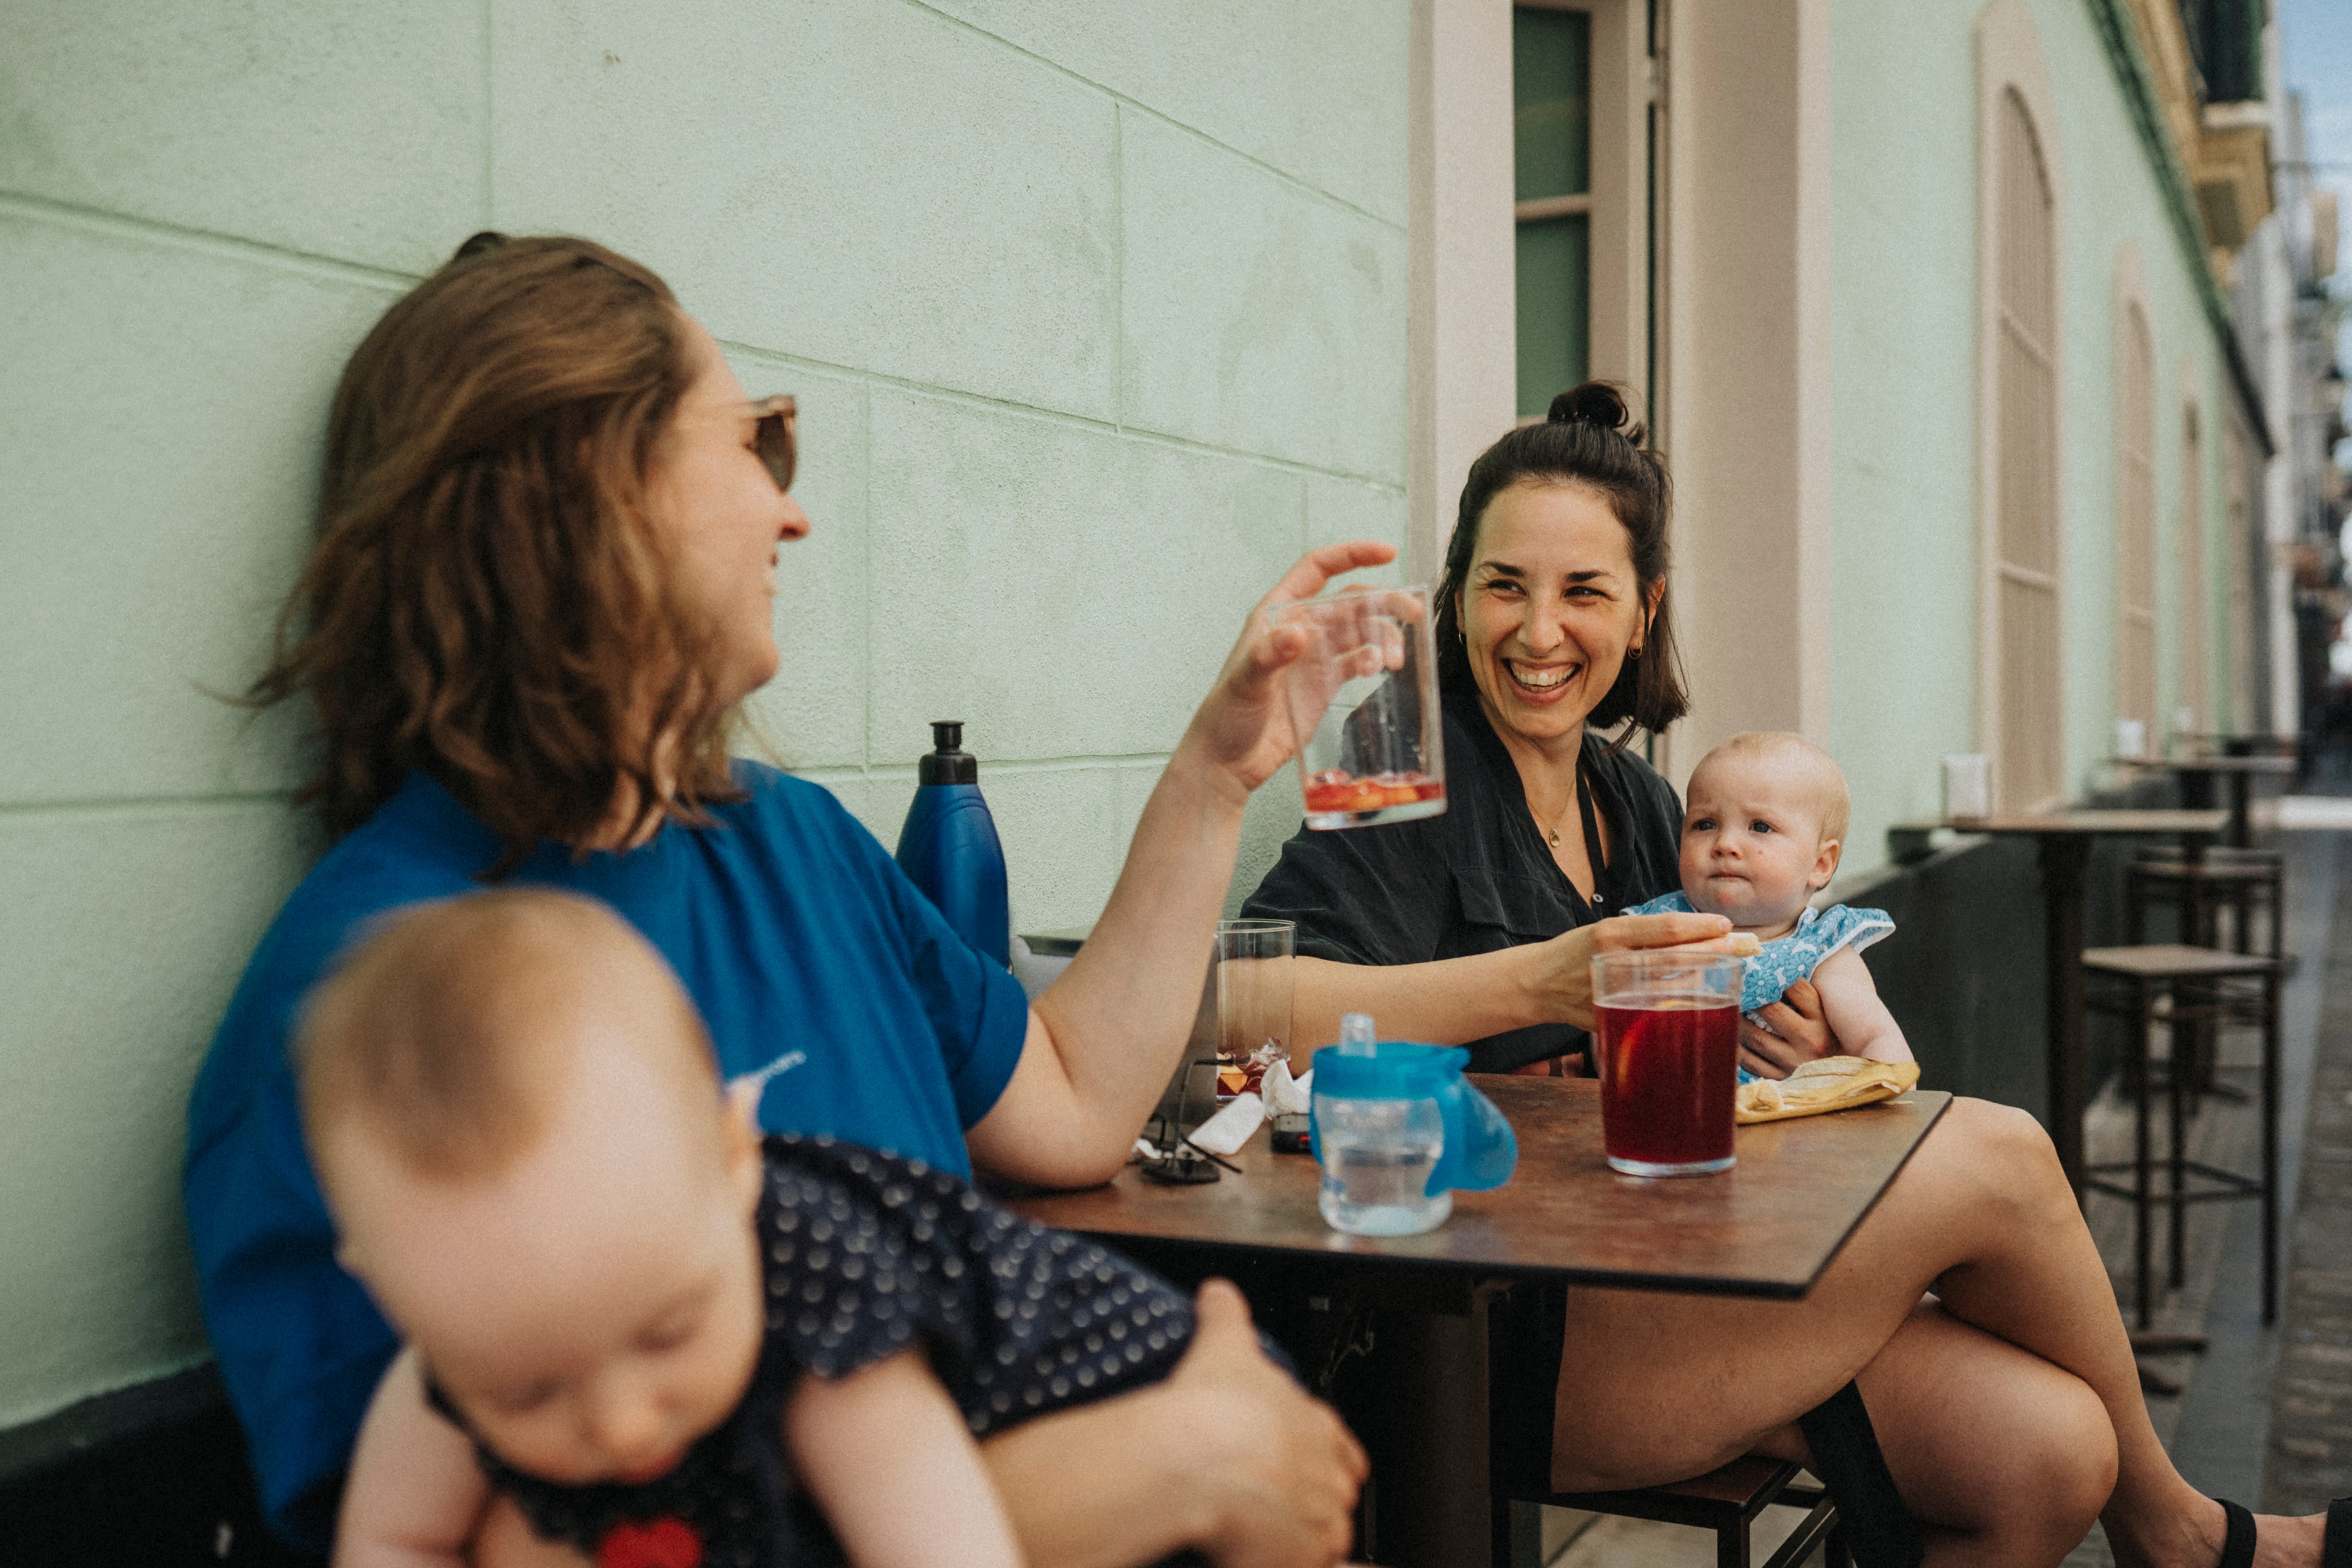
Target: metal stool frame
[
  {"x": 1725, "y": 1501},
  {"x": 2203, "y": 986}
]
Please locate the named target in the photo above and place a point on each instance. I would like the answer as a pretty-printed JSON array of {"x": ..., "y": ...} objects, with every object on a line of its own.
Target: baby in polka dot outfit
[{"x": 669, "y": 1342}]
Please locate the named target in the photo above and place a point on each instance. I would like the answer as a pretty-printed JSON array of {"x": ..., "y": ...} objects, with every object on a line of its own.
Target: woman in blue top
[{"x": 541, "y": 587}]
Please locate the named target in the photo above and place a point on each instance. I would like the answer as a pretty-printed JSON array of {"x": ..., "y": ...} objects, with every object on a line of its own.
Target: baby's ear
[{"x": 1825, "y": 864}]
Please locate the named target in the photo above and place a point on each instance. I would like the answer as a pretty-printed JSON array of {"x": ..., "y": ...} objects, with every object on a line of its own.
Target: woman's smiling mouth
[{"x": 1544, "y": 681}]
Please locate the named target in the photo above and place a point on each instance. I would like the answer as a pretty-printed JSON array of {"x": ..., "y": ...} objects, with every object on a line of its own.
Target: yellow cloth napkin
[{"x": 1832, "y": 1083}]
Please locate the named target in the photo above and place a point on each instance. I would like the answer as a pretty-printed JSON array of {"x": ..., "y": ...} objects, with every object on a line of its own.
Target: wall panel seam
[
  {"x": 207, "y": 242},
  {"x": 900, "y": 773},
  {"x": 77, "y": 808},
  {"x": 1054, "y": 415},
  {"x": 1284, "y": 176}
]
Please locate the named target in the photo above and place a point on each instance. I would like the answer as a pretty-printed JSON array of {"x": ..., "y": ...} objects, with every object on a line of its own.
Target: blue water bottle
[{"x": 949, "y": 846}]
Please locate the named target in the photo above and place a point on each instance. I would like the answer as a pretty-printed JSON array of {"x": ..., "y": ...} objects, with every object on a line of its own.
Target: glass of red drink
[
  {"x": 1666, "y": 1040},
  {"x": 1363, "y": 698},
  {"x": 1253, "y": 993}
]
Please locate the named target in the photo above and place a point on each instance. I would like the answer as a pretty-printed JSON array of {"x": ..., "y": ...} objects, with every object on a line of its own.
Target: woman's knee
[
  {"x": 1989, "y": 1440},
  {"x": 2061, "y": 1461},
  {"x": 1999, "y": 1153}
]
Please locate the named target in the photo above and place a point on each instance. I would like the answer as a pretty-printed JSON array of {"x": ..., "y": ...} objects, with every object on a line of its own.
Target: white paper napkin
[
  {"x": 1228, "y": 1129},
  {"x": 1285, "y": 1095}
]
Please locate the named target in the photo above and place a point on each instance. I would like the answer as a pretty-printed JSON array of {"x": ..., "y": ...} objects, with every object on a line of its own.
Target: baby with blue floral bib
[{"x": 1762, "y": 829}]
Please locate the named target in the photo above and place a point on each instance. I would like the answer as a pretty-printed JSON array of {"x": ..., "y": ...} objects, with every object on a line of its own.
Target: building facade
[{"x": 1932, "y": 307}]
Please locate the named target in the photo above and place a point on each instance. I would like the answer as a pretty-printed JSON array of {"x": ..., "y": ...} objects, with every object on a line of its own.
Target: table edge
[{"x": 1455, "y": 1268}]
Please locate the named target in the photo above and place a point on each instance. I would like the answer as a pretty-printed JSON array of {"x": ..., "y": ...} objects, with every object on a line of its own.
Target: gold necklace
[{"x": 1553, "y": 831}]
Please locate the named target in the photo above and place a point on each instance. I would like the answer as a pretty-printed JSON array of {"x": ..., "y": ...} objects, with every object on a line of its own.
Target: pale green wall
[
  {"x": 1096, "y": 314},
  {"x": 1904, "y": 526}
]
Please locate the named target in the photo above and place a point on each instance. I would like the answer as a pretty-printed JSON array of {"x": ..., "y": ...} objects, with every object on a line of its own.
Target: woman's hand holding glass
[
  {"x": 1243, "y": 731},
  {"x": 1565, "y": 979}
]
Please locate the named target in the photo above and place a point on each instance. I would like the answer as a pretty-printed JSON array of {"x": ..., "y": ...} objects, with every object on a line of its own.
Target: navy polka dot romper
[{"x": 864, "y": 1254}]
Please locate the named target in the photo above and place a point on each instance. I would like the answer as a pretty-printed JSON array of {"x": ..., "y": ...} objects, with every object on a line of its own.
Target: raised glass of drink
[
  {"x": 1362, "y": 699},
  {"x": 1667, "y": 1049}
]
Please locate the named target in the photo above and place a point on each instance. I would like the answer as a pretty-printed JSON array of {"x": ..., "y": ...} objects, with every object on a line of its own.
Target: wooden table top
[
  {"x": 1766, "y": 1227},
  {"x": 2279, "y": 766},
  {"x": 2144, "y": 822}
]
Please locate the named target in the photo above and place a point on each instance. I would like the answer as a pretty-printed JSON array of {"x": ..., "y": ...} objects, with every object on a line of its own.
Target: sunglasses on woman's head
[{"x": 777, "y": 439}]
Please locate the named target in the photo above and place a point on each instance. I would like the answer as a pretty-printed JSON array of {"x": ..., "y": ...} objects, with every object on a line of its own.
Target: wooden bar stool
[
  {"x": 2242, "y": 881},
  {"x": 1525, "y": 1336},
  {"x": 2189, "y": 987},
  {"x": 1725, "y": 1501}
]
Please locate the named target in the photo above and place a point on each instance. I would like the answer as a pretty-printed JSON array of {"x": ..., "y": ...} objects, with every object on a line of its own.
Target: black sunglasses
[{"x": 777, "y": 439}]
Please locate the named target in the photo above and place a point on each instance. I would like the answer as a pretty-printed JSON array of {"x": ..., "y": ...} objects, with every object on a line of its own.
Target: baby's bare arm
[
  {"x": 1857, "y": 1017},
  {"x": 886, "y": 1456},
  {"x": 415, "y": 1494}
]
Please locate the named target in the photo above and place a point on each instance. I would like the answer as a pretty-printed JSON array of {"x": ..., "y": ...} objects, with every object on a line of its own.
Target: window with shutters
[
  {"x": 2027, "y": 756},
  {"x": 2135, "y": 521}
]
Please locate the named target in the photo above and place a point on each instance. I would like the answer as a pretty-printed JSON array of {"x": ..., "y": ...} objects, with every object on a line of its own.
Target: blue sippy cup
[{"x": 1396, "y": 1130}]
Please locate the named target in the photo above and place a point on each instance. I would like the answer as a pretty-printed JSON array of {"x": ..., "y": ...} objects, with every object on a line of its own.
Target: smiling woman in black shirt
[{"x": 1478, "y": 927}]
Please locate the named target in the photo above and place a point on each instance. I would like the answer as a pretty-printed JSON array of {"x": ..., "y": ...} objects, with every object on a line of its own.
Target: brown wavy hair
[{"x": 485, "y": 603}]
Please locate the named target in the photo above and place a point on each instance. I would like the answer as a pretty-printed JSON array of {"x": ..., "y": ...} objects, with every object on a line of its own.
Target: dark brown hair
[
  {"x": 1589, "y": 440},
  {"x": 486, "y": 599}
]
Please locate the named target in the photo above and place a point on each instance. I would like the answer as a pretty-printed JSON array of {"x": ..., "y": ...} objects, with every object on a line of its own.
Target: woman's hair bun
[
  {"x": 1598, "y": 403},
  {"x": 481, "y": 244}
]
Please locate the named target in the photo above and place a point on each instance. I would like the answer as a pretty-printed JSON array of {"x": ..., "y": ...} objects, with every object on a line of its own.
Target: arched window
[
  {"x": 2196, "y": 613},
  {"x": 2028, "y": 754},
  {"x": 2136, "y": 520}
]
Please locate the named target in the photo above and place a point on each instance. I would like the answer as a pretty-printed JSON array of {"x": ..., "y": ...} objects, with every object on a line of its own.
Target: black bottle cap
[{"x": 951, "y": 763}]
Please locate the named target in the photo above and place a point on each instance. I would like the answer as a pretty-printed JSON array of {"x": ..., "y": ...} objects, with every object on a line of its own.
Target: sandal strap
[
  {"x": 2238, "y": 1538},
  {"x": 2335, "y": 1548}
]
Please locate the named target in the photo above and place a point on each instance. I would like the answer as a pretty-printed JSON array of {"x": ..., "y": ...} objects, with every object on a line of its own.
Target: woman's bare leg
[
  {"x": 2003, "y": 1458},
  {"x": 1672, "y": 1386}
]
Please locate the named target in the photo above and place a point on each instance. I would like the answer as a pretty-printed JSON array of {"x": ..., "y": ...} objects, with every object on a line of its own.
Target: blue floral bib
[{"x": 1786, "y": 960}]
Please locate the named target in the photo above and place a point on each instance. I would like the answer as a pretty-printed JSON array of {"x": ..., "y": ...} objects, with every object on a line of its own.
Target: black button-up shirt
[{"x": 1478, "y": 879}]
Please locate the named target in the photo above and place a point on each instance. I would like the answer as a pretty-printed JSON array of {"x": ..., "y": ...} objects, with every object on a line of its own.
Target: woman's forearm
[
  {"x": 1120, "y": 1013},
  {"x": 1102, "y": 1486},
  {"x": 1449, "y": 1002}
]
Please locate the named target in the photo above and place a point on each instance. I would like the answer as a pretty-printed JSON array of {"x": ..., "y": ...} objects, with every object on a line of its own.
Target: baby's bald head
[
  {"x": 515, "y": 1119},
  {"x": 1791, "y": 767},
  {"x": 447, "y": 1038}
]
